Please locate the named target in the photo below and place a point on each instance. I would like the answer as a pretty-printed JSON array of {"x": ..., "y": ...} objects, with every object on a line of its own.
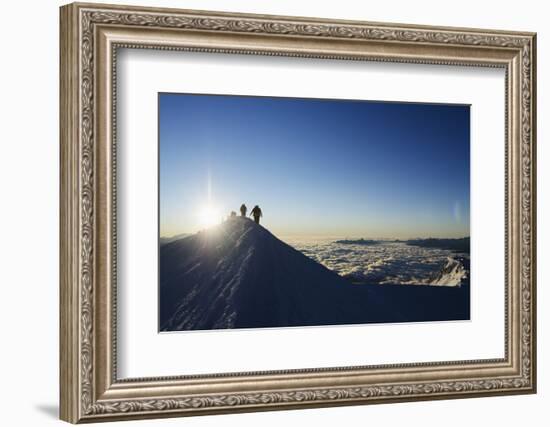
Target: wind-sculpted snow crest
[{"x": 239, "y": 275}]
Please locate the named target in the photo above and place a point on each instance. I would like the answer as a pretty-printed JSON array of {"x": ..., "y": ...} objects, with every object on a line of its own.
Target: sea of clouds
[{"x": 383, "y": 262}]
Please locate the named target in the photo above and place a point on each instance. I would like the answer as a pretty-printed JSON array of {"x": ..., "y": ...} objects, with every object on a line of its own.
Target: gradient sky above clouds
[{"x": 316, "y": 167}]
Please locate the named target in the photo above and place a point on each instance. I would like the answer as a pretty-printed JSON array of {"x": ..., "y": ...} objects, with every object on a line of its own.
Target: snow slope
[{"x": 239, "y": 275}]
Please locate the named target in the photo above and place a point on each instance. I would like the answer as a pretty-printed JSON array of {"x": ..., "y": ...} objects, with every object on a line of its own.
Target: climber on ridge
[{"x": 256, "y": 213}]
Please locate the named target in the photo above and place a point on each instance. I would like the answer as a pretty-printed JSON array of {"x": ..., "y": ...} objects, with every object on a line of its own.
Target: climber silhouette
[
  {"x": 257, "y": 213},
  {"x": 243, "y": 210}
]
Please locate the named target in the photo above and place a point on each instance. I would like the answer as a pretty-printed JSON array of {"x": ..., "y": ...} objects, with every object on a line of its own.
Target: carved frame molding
[{"x": 90, "y": 37}]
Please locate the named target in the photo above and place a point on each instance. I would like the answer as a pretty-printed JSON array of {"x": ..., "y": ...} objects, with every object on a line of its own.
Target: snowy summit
[{"x": 239, "y": 275}]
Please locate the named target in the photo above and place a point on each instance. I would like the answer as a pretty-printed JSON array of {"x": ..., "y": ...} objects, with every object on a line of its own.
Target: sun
[{"x": 209, "y": 215}]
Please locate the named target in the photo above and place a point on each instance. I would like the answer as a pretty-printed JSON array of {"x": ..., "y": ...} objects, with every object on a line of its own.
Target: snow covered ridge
[
  {"x": 454, "y": 273},
  {"x": 239, "y": 275},
  {"x": 165, "y": 240}
]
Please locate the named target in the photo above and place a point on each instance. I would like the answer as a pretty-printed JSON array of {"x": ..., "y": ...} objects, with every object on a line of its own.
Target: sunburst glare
[{"x": 209, "y": 215}]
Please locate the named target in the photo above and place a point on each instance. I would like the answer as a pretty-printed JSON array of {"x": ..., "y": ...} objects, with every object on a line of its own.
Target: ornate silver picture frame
[{"x": 91, "y": 36}]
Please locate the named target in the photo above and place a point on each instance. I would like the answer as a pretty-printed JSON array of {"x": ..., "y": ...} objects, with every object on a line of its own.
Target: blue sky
[{"x": 315, "y": 167}]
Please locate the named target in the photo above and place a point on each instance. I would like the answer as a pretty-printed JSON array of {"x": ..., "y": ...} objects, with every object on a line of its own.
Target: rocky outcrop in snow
[{"x": 453, "y": 273}]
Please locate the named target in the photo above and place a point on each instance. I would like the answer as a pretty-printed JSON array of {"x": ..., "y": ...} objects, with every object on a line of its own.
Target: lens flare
[{"x": 209, "y": 216}]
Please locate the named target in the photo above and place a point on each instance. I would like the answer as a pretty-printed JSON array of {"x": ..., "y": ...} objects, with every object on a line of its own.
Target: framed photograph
[{"x": 265, "y": 212}]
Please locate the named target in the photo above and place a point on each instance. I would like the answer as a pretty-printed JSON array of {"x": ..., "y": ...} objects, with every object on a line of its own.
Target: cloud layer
[{"x": 382, "y": 263}]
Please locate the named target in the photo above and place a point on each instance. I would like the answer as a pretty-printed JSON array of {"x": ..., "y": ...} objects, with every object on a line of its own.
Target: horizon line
[{"x": 328, "y": 236}]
